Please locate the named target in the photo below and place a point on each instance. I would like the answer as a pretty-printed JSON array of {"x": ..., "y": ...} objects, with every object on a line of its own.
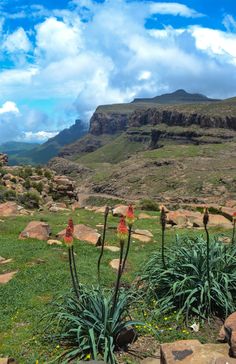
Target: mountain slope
[{"x": 44, "y": 152}]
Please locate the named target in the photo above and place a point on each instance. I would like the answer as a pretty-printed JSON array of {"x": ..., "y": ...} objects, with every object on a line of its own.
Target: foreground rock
[
  {"x": 6, "y": 277},
  {"x": 36, "y": 230},
  {"x": 228, "y": 333},
  {"x": 9, "y": 209},
  {"x": 142, "y": 235},
  {"x": 193, "y": 352},
  {"x": 84, "y": 233},
  {"x": 3, "y": 159},
  {"x": 120, "y": 210},
  {"x": 54, "y": 242}
]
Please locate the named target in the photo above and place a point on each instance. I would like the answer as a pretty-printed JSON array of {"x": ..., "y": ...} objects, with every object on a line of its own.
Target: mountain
[
  {"x": 41, "y": 154},
  {"x": 12, "y": 147},
  {"x": 177, "y": 97},
  {"x": 185, "y": 152}
]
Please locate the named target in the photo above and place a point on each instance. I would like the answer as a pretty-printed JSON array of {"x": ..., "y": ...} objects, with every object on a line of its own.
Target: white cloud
[
  {"x": 9, "y": 107},
  {"x": 174, "y": 9},
  {"x": 112, "y": 57},
  {"x": 17, "y": 41},
  {"x": 39, "y": 136},
  {"x": 229, "y": 23}
]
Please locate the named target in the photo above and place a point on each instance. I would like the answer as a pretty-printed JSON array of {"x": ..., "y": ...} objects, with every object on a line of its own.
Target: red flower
[
  {"x": 234, "y": 216},
  {"x": 122, "y": 230},
  {"x": 68, "y": 238},
  {"x": 130, "y": 215},
  {"x": 71, "y": 224}
]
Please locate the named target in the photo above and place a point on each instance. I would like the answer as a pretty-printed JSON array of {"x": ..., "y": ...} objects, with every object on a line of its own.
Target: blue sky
[{"x": 60, "y": 59}]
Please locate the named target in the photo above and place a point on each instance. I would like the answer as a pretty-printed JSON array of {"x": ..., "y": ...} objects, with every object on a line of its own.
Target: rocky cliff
[{"x": 110, "y": 123}]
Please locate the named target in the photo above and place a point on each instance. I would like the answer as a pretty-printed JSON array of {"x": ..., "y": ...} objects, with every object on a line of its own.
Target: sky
[{"x": 60, "y": 59}]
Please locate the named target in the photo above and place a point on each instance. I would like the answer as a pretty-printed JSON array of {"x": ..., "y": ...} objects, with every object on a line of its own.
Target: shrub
[
  {"x": 89, "y": 325},
  {"x": 29, "y": 199},
  {"x": 48, "y": 174},
  {"x": 184, "y": 285},
  {"x": 38, "y": 186},
  {"x": 27, "y": 184},
  {"x": 10, "y": 195},
  {"x": 148, "y": 205}
]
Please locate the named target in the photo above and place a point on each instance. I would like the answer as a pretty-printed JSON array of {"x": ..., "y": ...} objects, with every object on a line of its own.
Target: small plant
[{"x": 184, "y": 284}]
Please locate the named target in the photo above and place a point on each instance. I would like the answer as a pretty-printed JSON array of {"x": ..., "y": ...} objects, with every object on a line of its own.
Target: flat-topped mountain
[{"x": 177, "y": 97}]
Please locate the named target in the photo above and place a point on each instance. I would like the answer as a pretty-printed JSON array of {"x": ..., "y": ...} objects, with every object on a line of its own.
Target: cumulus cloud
[
  {"x": 174, "y": 9},
  {"x": 17, "y": 41},
  {"x": 9, "y": 107},
  {"x": 39, "y": 136},
  {"x": 95, "y": 53}
]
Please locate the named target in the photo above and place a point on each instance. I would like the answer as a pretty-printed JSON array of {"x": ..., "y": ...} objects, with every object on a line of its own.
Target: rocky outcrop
[
  {"x": 228, "y": 333},
  {"x": 64, "y": 166},
  {"x": 3, "y": 159},
  {"x": 103, "y": 122}
]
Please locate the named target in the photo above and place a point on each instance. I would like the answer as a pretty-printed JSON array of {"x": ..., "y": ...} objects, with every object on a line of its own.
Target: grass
[{"x": 43, "y": 275}]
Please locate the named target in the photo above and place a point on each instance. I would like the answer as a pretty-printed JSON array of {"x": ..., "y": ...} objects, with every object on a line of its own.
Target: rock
[
  {"x": 111, "y": 248},
  {"x": 142, "y": 235},
  {"x": 5, "y": 261},
  {"x": 84, "y": 233},
  {"x": 54, "y": 242},
  {"x": 219, "y": 221},
  {"x": 227, "y": 212},
  {"x": 3, "y": 159},
  {"x": 193, "y": 352},
  {"x": 114, "y": 264},
  {"x": 228, "y": 333},
  {"x": 225, "y": 239},
  {"x": 100, "y": 210},
  {"x": 9, "y": 209},
  {"x": 36, "y": 230},
  {"x": 2, "y": 259},
  {"x": 120, "y": 210},
  {"x": 231, "y": 203},
  {"x": 184, "y": 218},
  {"x": 143, "y": 215},
  {"x": 6, "y": 277},
  {"x": 151, "y": 360},
  {"x": 58, "y": 209}
]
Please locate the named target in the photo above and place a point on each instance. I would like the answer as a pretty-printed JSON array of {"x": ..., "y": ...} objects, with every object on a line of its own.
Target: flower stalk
[
  {"x": 205, "y": 223},
  {"x": 234, "y": 224},
  {"x": 130, "y": 218},
  {"x": 103, "y": 241},
  {"x": 163, "y": 227}
]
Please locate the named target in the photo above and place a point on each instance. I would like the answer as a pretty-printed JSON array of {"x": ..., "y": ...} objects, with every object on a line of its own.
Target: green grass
[{"x": 43, "y": 275}]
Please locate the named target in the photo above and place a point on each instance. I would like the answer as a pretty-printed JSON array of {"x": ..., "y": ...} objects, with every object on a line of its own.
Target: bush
[
  {"x": 30, "y": 200},
  {"x": 48, "y": 174},
  {"x": 148, "y": 205},
  {"x": 184, "y": 285},
  {"x": 88, "y": 325}
]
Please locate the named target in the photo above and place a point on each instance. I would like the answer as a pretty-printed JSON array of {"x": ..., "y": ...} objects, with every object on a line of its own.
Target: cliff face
[{"x": 110, "y": 123}]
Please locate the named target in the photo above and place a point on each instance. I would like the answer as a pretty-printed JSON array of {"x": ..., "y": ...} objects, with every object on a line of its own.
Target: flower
[
  {"x": 130, "y": 216},
  {"x": 88, "y": 356},
  {"x": 163, "y": 216},
  {"x": 122, "y": 230},
  {"x": 68, "y": 238},
  {"x": 71, "y": 224}
]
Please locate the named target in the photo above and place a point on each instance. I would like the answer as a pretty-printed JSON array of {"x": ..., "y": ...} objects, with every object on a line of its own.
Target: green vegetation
[
  {"x": 184, "y": 284},
  {"x": 43, "y": 276}
]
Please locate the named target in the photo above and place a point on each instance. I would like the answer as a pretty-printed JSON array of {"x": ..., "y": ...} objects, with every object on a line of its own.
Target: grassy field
[{"x": 43, "y": 275}]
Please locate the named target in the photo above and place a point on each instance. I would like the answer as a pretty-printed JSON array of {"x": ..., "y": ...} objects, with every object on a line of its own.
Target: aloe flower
[
  {"x": 71, "y": 224},
  {"x": 130, "y": 218},
  {"x": 68, "y": 238},
  {"x": 122, "y": 230}
]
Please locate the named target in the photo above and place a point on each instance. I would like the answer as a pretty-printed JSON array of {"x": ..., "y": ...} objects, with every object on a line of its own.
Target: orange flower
[
  {"x": 205, "y": 216},
  {"x": 122, "y": 230},
  {"x": 130, "y": 215},
  {"x": 234, "y": 216},
  {"x": 71, "y": 224},
  {"x": 68, "y": 238}
]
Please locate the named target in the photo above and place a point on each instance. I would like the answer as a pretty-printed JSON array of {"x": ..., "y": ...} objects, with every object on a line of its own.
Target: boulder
[
  {"x": 193, "y": 352},
  {"x": 6, "y": 277},
  {"x": 120, "y": 210},
  {"x": 9, "y": 209},
  {"x": 111, "y": 248},
  {"x": 84, "y": 233},
  {"x": 36, "y": 230},
  {"x": 228, "y": 333},
  {"x": 219, "y": 221},
  {"x": 228, "y": 212},
  {"x": 142, "y": 235},
  {"x": 184, "y": 218},
  {"x": 114, "y": 264},
  {"x": 143, "y": 215}
]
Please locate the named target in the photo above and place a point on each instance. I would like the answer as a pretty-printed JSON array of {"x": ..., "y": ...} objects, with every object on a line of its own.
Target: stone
[
  {"x": 84, "y": 233},
  {"x": 219, "y": 221},
  {"x": 142, "y": 235},
  {"x": 54, "y": 242},
  {"x": 114, "y": 264},
  {"x": 111, "y": 248},
  {"x": 36, "y": 230},
  {"x": 58, "y": 209},
  {"x": 225, "y": 239},
  {"x": 143, "y": 215},
  {"x": 5, "y": 261},
  {"x": 6, "y": 277},
  {"x": 184, "y": 218},
  {"x": 193, "y": 352},
  {"x": 230, "y": 203},
  {"x": 120, "y": 210},
  {"x": 228, "y": 333},
  {"x": 100, "y": 210},
  {"x": 9, "y": 209}
]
